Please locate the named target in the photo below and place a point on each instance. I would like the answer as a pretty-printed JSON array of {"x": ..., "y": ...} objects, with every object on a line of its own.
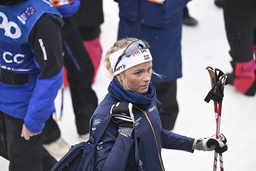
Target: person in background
[
  {"x": 135, "y": 115},
  {"x": 187, "y": 19},
  {"x": 163, "y": 32},
  {"x": 80, "y": 74},
  {"x": 31, "y": 74},
  {"x": 89, "y": 18},
  {"x": 240, "y": 25}
]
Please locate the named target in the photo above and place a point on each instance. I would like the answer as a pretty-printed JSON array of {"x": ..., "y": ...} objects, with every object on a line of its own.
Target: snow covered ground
[{"x": 203, "y": 45}]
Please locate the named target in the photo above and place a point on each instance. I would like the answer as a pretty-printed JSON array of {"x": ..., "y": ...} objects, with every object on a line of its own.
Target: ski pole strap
[
  {"x": 215, "y": 94},
  {"x": 218, "y": 80}
]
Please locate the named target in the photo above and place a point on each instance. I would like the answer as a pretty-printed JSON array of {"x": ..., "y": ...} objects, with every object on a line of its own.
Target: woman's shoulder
[
  {"x": 103, "y": 109},
  {"x": 105, "y": 105}
]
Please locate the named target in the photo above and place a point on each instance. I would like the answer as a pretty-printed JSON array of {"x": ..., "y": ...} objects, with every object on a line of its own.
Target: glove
[
  {"x": 212, "y": 143},
  {"x": 122, "y": 115}
]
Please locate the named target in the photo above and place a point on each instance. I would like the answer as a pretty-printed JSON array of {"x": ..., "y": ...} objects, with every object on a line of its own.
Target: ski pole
[
  {"x": 218, "y": 81},
  {"x": 218, "y": 105}
]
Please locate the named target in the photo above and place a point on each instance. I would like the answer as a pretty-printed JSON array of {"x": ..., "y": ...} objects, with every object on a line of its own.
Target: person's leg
[
  {"x": 254, "y": 48},
  {"x": 52, "y": 140},
  {"x": 48, "y": 162},
  {"x": 51, "y": 131},
  {"x": 187, "y": 19},
  {"x": 240, "y": 24},
  {"x": 80, "y": 74},
  {"x": 219, "y": 3},
  {"x": 185, "y": 12},
  {"x": 91, "y": 42},
  {"x": 24, "y": 154},
  {"x": 166, "y": 94},
  {"x": 3, "y": 137}
]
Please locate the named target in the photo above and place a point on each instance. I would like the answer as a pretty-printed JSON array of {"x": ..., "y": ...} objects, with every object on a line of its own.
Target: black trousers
[
  {"x": 240, "y": 24},
  {"x": 80, "y": 74},
  {"x": 167, "y": 95},
  {"x": 23, "y": 155},
  {"x": 51, "y": 131},
  {"x": 185, "y": 12}
]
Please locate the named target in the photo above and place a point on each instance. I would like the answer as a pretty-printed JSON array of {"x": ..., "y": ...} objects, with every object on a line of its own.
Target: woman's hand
[{"x": 212, "y": 143}]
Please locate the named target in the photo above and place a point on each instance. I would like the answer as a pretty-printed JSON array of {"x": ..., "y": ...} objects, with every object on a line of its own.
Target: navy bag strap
[{"x": 100, "y": 129}]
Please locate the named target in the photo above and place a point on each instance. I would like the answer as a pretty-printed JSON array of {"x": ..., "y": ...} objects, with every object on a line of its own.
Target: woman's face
[{"x": 137, "y": 78}]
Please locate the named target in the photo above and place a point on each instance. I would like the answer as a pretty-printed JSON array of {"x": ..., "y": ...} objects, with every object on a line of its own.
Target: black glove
[
  {"x": 122, "y": 114},
  {"x": 212, "y": 143}
]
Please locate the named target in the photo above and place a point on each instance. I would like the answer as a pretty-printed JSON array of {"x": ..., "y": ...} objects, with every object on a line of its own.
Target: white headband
[{"x": 125, "y": 63}]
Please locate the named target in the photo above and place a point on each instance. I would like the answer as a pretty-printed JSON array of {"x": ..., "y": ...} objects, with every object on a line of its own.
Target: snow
[{"x": 202, "y": 46}]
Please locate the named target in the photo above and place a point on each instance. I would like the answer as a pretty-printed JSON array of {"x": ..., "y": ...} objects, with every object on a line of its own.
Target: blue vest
[
  {"x": 15, "y": 52},
  {"x": 33, "y": 101}
]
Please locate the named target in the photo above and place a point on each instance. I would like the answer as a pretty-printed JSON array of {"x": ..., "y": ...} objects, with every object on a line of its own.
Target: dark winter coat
[
  {"x": 160, "y": 25},
  {"x": 117, "y": 152},
  {"x": 90, "y": 13}
]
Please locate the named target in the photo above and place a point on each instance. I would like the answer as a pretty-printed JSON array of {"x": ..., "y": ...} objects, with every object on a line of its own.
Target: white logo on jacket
[
  {"x": 11, "y": 29},
  {"x": 95, "y": 122},
  {"x": 151, "y": 109},
  {"x": 137, "y": 122}
]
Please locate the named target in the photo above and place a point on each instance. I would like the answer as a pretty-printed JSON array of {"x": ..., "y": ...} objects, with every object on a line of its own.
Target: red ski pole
[
  {"x": 218, "y": 81},
  {"x": 217, "y": 108}
]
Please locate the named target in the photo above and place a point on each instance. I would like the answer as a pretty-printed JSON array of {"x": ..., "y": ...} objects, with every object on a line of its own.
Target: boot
[
  {"x": 190, "y": 21},
  {"x": 243, "y": 77},
  {"x": 187, "y": 19}
]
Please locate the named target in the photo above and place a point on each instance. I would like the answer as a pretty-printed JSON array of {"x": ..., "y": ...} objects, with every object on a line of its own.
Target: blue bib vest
[
  {"x": 15, "y": 52},
  {"x": 33, "y": 99}
]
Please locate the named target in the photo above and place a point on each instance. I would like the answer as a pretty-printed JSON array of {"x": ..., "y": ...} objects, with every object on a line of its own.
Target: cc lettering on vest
[
  {"x": 10, "y": 58},
  {"x": 10, "y": 28}
]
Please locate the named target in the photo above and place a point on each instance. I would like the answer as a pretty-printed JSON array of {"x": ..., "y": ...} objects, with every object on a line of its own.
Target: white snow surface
[{"x": 202, "y": 46}]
